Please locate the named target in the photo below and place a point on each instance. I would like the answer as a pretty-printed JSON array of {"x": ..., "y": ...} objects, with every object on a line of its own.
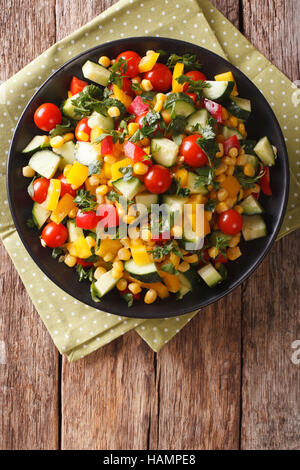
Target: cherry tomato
[
  {"x": 65, "y": 187},
  {"x": 87, "y": 220},
  {"x": 192, "y": 152},
  {"x": 194, "y": 75},
  {"x": 47, "y": 116},
  {"x": 77, "y": 85},
  {"x": 230, "y": 222},
  {"x": 132, "y": 59},
  {"x": 83, "y": 263},
  {"x": 40, "y": 189},
  {"x": 82, "y": 126},
  {"x": 158, "y": 179},
  {"x": 54, "y": 235},
  {"x": 160, "y": 77},
  {"x": 108, "y": 215},
  {"x": 126, "y": 87}
]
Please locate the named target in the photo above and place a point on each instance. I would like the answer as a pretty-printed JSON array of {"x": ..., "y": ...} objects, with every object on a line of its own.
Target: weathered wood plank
[
  {"x": 29, "y": 360},
  {"x": 271, "y": 403},
  {"x": 229, "y": 8},
  {"x": 107, "y": 397}
]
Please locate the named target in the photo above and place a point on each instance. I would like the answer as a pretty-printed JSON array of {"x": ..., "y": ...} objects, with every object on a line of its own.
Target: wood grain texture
[
  {"x": 230, "y": 9},
  {"x": 29, "y": 378}
]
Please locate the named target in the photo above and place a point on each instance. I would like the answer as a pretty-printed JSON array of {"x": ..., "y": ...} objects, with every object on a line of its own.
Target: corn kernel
[
  {"x": 67, "y": 169},
  {"x": 213, "y": 195},
  {"x": 137, "y": 79},
  {"x": 222, "y": 194},
  {"x": 176, "y": 231},
  {"x": 113, "y": 111},
  {"x": 150, "y": 52},
  {"x": 116, "y": 273},
  {"x": 91, "y": 241},
  {"x": 233, "y": 152},
  {"x": 73, "y": 212},
  {"x": 159, "y": 102},
  {"x": 70, "y": 260},
  {"x": 230, "y": 202},
  {"x": 67, "y": 137},
  {"x": 146, "y": 234},
  {"x": 242, "y": 151},
  {"x": 150, "y": 296},
  {"x": 221, "y": 169},
  {"x": 110, "y": 159},
  {"x": 128, "y": 219},
  {"x": 213, "y": 252},
  {"x": 241, "y": 128},
  {"x": 104, "y": 61},
  {"x": 191, "y": 259},
  {"x": 94, "y": 180},
  {"x": 124, "y": 254},
  {"x": 229, "y": 161},
  {"x": 134, "y": 287},
  {"x": 108, "y": 257},
  {"x": 146, "y": 85},
  {"x": 241, "y": 160},
  {"x": 183, "y": 267},
  {"x": 102, "y": 190},
  {"x": 28, "y": 172},
  {"x": 233, "y": 121},
  {"x": 118, "y": 265},
  {"x": 230, "y": 170},
  {"x": 140, "y": 168},
  {"x": 221, "y": 207},
  {"x": 249, "y": 170},
  {"x": 121, "y": 284},
  {"x": 233, "y": 253},
  {"x": 99, "y": 271},
  {"x": 221, "y": 151},
  {"x": 83, "y": 136},
  {"x": 235, "y": 241},
  {"x": 57, "y": 141},
  {"x": 132, "y": 128},
  {"x": 221, "y": 178}
]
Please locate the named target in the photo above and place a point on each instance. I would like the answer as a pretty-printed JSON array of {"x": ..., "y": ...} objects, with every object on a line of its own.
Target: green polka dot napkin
[{"x": 78, "y": 329}]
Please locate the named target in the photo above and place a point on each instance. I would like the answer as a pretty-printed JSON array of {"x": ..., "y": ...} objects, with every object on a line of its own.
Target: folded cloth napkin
[{"x": 78, "y": 329}]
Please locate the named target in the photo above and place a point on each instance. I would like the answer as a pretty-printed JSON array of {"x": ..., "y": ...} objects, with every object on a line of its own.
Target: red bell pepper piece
[
  {"x": 84, "y": 264},
  {"x": 221, "y": 259},
  {"x": 107, "y": 145},
  {"x": 138, "y": 106},
  {"x": 215, "y": 109},
  {"x": 136, "y": 153},
  {"x": 232, "y": 142},
  {"x": 77, "y": 85},
  {"x": 264, "y": 181}
]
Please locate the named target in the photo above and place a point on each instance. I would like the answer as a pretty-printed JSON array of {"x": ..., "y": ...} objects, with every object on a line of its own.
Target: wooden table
[{"x": 225, "y": 382}]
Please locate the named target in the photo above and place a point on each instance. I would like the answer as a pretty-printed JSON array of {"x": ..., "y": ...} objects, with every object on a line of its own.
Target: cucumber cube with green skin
[
  {"x": 239, "y": 107},
  {"x": 218, "y": 91},
  {"x": 67, "y": 154},
  {"x": 105, "y": 283},
  {"x": 39, "y": 142},
  {"x": 96, "y": 73},
  {"x": 39, "y": 214},
  {"x": 74, "y": 231},
  {"x": 193, "y": 186},
  {"x": 147, "y": 199},
  {"x": 265, "y": 151},
  {"x": 180, "y": 104},
  {"x": 210, "y": 275},
  {"x": 197, "y": 120},
  {"x": 253, "y": 227},
  {"x": 129, "y": 188},
  {"x": 228, "y": 132},
  {"x": 98, "y": 120},
  {"x": 45, "y": 163},
  {"x": 251, "y": 206},
  {"x": 69, "y": 109},
  {"x": 164, "y": 151},
  {"x": 147, "y": 273}
]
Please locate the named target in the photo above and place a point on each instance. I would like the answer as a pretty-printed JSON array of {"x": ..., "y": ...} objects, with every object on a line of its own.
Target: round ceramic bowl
[{"x": 262, "y": 122}]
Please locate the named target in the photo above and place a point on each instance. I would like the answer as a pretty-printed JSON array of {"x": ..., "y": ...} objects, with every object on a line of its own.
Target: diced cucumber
[
  {"x": 253, "y": 227},
  {"x": 228, "y": 132},
  {"x": 182, "y": 291},
  {"x": 45, "y": 163},
  {"x": 74, "y": 231},
  {"x": 251, "y": 206},
  {"x": 39, "y": 142},
  {"x": 86, "y": 153},
  {"x": 190, "y": 279},
  {"x": 175, "y": 203},
  {"x": 197, "y": 120},
  {"x": 218, "y": 91},
  {"x": 147, "y": 273},
  {"x": 190, "y": 240},
  {"x": 69, "y": 109},
  {"x": 98, "y": 120},
  {"x": 67, "y": 153},
  {"x": 239, "y": 107},
  {"x": 105, "y": 283},
  {"x": 210, "y": 275},
  {"x": 39, "y": 214},
  {"x": 192, "y": 186},
  {"x": 147, "y": 199},
  {"x": 129, "y": 188},
  {"x": 164, "y": 151},
  {"x": 265, "y": 151},
  {"x": 96, "y": 73},
  {"x": 180, "y": 104}
]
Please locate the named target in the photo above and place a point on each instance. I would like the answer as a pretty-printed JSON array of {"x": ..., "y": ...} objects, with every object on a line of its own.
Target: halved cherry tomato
[
  {"x": 158, "y": 179},
  {"x": 108, "y": 215},
  {"x": 230, "y": 222},
  {"x": 87, "y": 220},
  {"x": 192, "y": 152},
  {"x": 65, "y": 187},
  {"x": 83, "y": 263},
  {"x": 264, "y": 181},
  {"x": 40, "y": 189},
  {"x": 160, "y": 77},
  {"x": 54, "y": 235},
  {"x": 138, "y": 106},
  {"x": 77, "y": 85},
  {"x": 136, "y": 153},
  {"x": 232, "y": 142},
  {"x": 107, "y": 145},
  {"x": 194, "y": 75},
  {"x": 215, "y": 109},
  {"x": 132, "y": 60},
  {"x": 47, "y": 116},
  {"x": 83, "y": 131}
]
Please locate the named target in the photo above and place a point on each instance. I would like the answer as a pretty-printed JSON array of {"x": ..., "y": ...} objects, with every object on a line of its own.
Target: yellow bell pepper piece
[
  {"x": 140, "y": 255},
  {"x": 161, "y": 289},
  {"x": 108, "y": 246},
  {"x": 53, "y": 194},
  {"x": 174, "y": 259},
  {"x": 148, "y": 61},
  {"x": 121, "y": 96},
  {"x": 232, "y": 185},
  {"x": 182, "y": 174},
  {"x": 171, "y": 280},
  {"x": 227, "y": 77},
  {"x": 178, "y": 70},
  {"x": 77, "y": 174},
  {"x": 63, "y": 208},
  {"x": 80, "y": 248},
  {"x": 115, "y": 167}
]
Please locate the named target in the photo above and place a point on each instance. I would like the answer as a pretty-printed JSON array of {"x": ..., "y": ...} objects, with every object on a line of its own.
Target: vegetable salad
[{"x": 144, "y": 131}]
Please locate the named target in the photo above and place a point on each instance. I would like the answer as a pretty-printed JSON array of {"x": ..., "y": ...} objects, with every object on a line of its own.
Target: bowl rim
[{"x": 181, "y": 310}]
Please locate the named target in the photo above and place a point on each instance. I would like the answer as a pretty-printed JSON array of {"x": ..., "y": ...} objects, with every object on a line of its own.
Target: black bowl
[{"x": 262, "y": 122}]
